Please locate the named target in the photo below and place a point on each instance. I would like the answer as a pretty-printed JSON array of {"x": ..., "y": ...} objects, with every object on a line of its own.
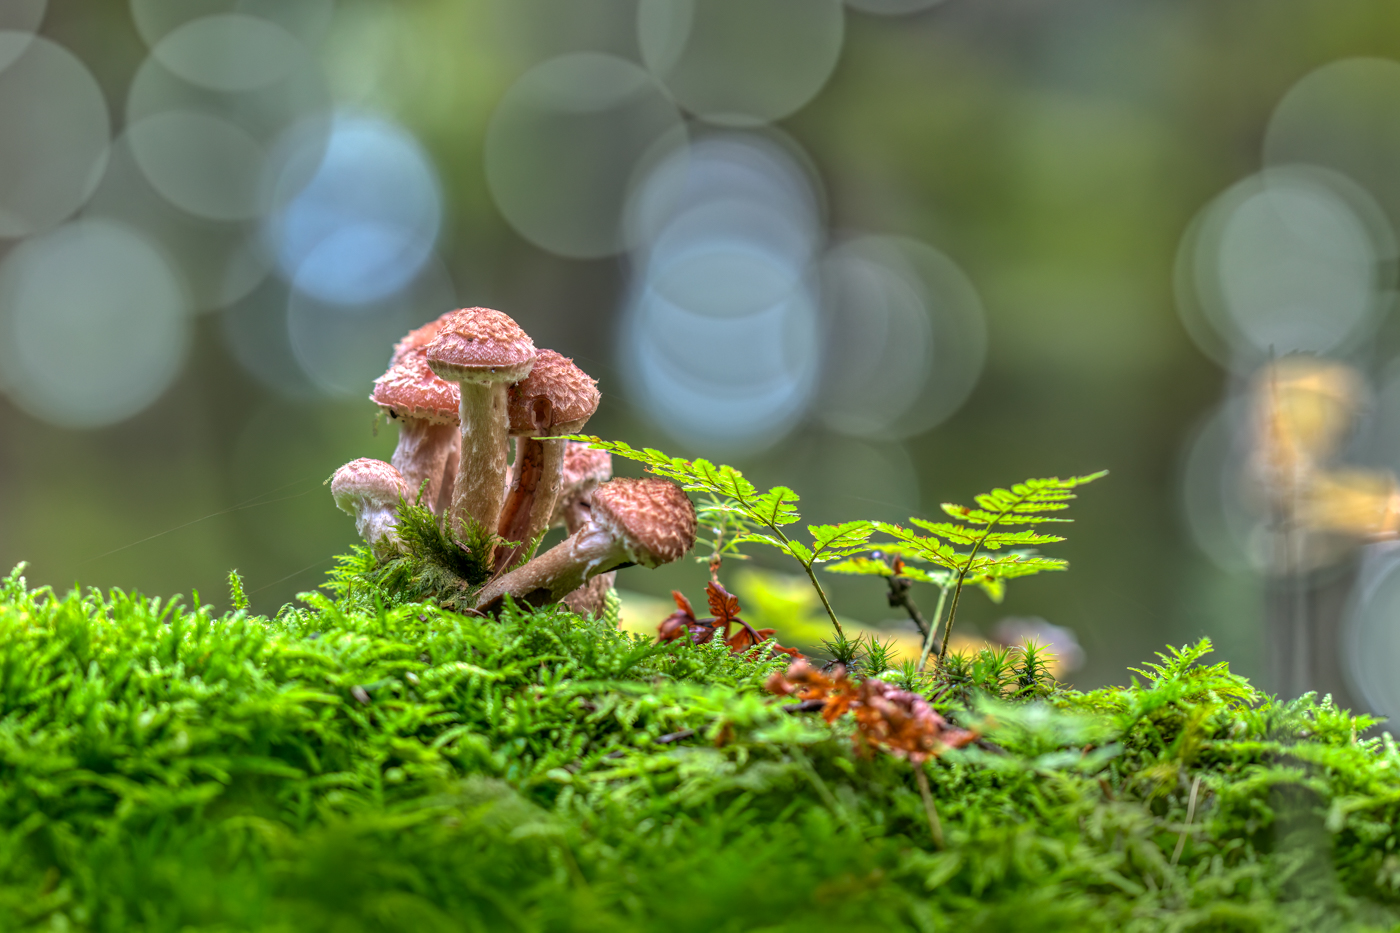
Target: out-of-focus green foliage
[{"x": 352, "y": 765}]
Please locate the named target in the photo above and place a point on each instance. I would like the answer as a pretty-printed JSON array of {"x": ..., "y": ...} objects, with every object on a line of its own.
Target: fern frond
[{"x": 982, "y": 531}]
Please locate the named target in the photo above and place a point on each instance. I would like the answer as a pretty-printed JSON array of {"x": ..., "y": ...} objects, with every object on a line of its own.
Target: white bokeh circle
[
  {"x": 364, "y": 224},
  {"x": 229, "y": 52},
  {"x": 1294, "y": 259},
  {"x": 343, "y": 348},
  {"x": 56, "y": 133},
  {"x": 93, "y": 324},
  {"x": 219, "y": 262},
  {"x": 722, "y": 332},
  {"x": 308, "y": 20},
  {"x": 209, "y": 141},
  {"x": 564, "y": 143},
  {"x": 741, "y": 62},
  {"x": 1344, "y": 116},
  {"x": 19, "y": 21},
  {"x": 906, "y": 337}
]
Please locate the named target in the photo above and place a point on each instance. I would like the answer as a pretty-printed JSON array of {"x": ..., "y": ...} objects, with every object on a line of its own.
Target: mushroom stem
[
  {"x": 479, "y": 489},
  {"x": 422, "y": 454},
  {"x": 377, "y": 525},
  {"x": 443, "y": 504},
  {"x": 538, "y": 479},
  {"x": 559, "y": 571}
]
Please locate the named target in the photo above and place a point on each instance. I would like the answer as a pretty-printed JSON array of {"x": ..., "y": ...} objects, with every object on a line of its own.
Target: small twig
[
  {"x": 934, "y": 825},
  {"x": 899, "y": 598},
  {"x": 675, "y": 736},
  {"x": 1190, "y": 812}
]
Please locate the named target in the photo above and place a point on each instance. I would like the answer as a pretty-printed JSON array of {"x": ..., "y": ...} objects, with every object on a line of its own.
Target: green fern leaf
[{"x": 833, "y": 541}]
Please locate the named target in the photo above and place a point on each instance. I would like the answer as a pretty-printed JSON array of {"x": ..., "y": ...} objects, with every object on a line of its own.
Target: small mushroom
[
  {"x": 635, "y": 521},
  {"x": 584, "y": 468},
  {"x": 426, "y": 408},
  {"x": 591, "y": 599},
  {"x": 483, "y": 351},
  {"x": 556, "y": 398},
  {"x": 369, "y": 491}
]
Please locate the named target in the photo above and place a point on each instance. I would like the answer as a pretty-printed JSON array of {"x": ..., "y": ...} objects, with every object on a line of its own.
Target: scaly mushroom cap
[
  {"x": 370, "y": 481},
  {"x": 416, "y": 340},
  {"x": 480, "y": 345},
  {"x": 555, "y": 393},
  {"x": 653, "y": 518},
  {"x": 584, "y": 465},
  {"x": 410, "y": 389},
  {"x": 584, "y": 468}
]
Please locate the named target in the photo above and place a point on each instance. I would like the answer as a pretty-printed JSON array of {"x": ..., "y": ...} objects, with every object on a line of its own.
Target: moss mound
[{"x": 363, "y": 764}]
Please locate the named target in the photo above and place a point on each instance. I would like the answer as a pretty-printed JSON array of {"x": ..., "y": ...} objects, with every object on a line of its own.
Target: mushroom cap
[
  {"x": 555, "y": 395},
  {"x": 653, "y": 518},
  {"x": 371, "y": 482},
  {"x": 480, "y": 345},
  {"x": 416, "y": 339},
  {"x": 583, "y": 463},
  {"x": 410, "y": 389}
]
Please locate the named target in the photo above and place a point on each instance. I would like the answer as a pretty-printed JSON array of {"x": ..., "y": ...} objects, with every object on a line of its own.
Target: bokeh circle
[
  {"x": 564, "y": 143},
  {"x": 93, "y": 324},
  {"x": 56, "y": 133}
]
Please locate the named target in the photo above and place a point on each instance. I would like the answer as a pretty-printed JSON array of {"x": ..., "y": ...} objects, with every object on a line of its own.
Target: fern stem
[
  {"x": 962, "y": 574},
  {"x": 933, "y": 629},
  {"x": 777, "y": 530},
  {"x": 934, "y": 826}
]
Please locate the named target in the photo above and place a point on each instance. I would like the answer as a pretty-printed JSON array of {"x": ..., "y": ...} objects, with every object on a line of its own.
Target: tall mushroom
[
  {"x": 426, "y": 409},
  {"x": 370, "y": 490},
  {"x": 635, "y": 521},
  {"x": 556, "y": 398},
  {"x": 483, "y": 351}
]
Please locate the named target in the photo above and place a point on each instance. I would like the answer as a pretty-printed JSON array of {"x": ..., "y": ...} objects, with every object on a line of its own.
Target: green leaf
[
  {"x": 832, "y": 541},
  {"x": 861, "y": 566}
]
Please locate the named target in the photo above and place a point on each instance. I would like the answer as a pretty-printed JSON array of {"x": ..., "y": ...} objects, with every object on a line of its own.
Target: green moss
[{"x": 366, "y": 763}]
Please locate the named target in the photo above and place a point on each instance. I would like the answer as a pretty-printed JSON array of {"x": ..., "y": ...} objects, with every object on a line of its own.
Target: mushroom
[
  {"x": 483, "y": 351},
  {"x": 370, "y": 491},
  {"x": 426, "y": 409},
  {"x": 591, "y": 599},
  {"x": 556, "y": 398},
  {"x": 635, "y": 521},
  {"x": 584, "y": 468}
]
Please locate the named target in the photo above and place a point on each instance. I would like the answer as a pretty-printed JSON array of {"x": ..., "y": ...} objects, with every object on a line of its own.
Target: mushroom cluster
[{"x": 460, "y": 388}]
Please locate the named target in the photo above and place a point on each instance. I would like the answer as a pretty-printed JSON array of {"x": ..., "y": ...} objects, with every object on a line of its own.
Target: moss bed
[{"x": 363, "y": 764}]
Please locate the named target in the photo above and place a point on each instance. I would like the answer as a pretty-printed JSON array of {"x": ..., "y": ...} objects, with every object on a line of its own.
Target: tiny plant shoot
[{"x": 734, "y": 512}]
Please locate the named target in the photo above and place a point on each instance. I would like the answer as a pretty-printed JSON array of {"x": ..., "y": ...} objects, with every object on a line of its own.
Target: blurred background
[{"x": 888, "y": 252}]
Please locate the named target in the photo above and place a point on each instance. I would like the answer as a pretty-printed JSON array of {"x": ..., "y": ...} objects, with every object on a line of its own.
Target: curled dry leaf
[
  {"x": 900, "y": 722},
  {"x": 725, "y": 606}
]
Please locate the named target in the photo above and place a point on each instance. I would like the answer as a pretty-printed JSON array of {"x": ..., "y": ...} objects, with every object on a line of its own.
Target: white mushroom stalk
[
  {"x": 635, "y": 521},
  {"x": 370, "y": 491}
]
